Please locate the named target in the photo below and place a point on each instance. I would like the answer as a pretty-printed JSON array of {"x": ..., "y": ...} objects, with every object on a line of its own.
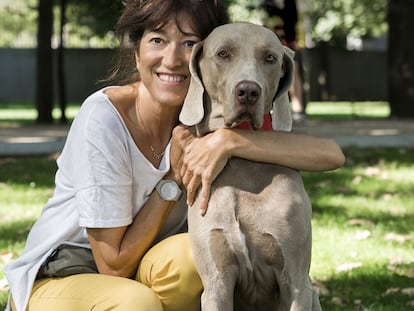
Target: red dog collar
[{"x": 267, "y": 124}]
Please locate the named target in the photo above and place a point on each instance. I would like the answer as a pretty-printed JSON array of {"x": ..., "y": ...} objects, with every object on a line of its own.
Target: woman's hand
[{"x": 202, "y": 160}]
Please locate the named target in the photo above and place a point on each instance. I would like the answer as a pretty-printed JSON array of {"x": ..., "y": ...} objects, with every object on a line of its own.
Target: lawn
[
  {"x": 363, "y": 249},
  {"x": 363, "y": 215},
  {"x": 25, "y": 112}
]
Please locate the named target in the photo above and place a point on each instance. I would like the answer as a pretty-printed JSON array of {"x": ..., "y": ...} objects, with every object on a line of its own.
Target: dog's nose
[{"x": 248, "y": 92}]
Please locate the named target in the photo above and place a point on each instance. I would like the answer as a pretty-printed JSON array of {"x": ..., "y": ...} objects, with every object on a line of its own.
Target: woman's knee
[
  {"x": 93, "y": 292},
  {"x": 133, "y": 296},
  {"x": 168, "y": 268}
]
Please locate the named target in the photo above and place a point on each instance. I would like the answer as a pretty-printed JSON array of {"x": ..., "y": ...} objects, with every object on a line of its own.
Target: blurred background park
[{"x": 357, "y": 62}]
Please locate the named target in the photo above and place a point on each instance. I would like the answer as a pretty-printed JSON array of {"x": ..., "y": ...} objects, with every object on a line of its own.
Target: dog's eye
[
  {"x": 271, "y": 59},
  {"x": 223, "y": 54}
]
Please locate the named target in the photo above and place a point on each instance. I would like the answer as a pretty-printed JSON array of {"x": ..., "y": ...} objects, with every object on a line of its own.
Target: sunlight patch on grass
[
  {"x": 27, "y": 113},
  {"x": 341, "y": 110}
]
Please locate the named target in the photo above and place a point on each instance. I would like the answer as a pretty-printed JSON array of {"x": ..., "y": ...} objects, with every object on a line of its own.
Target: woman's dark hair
[{"x": 141, "y": 15}]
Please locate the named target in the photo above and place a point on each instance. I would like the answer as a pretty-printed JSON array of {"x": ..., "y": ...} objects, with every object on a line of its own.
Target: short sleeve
[{"x": 100, "y": 166}]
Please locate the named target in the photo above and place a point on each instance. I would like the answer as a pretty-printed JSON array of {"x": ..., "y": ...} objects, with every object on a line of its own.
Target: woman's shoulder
[
  {"x": 98, "y": 113},
  {"x": 121, "y": 94}
]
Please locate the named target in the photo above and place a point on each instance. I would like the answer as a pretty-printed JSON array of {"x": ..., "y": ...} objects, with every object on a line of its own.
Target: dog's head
[{"x": 239, "y": 72}]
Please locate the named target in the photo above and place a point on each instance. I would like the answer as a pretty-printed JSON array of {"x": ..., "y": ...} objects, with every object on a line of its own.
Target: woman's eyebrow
[{"x": 163, "y": 31}]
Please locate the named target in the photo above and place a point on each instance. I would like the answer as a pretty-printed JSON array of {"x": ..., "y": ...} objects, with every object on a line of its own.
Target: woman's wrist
[{"x": 227, "y": 140}]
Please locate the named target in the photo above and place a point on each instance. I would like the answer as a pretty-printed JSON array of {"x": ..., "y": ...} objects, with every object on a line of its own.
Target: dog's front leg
[
  {"x": 219, "y": 277},
  {"x": 218, "y": 295}
]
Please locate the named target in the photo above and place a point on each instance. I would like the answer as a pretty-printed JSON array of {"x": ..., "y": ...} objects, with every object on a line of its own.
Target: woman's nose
[{"x": 174, "y": 56}]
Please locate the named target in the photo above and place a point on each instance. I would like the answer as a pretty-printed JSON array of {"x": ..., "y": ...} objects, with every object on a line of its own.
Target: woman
[{"x": 123, "y": 150}]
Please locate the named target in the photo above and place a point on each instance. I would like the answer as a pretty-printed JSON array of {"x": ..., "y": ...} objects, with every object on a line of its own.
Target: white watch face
[{"x": 169, "y": 191}]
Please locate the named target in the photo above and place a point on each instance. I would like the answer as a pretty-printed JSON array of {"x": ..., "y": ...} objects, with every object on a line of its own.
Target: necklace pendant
[{"x": 155, "y": 154}]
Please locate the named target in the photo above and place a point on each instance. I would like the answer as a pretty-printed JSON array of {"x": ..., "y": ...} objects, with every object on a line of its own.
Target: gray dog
[{"x": 253, "y": 247}]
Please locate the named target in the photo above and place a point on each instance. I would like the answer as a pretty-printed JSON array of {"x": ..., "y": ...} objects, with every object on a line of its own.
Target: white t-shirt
[{"x": 102, "y": 181}]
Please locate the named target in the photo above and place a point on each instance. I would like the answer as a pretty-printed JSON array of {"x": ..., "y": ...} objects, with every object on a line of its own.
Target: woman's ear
[
  {"x": 137, "y": 59},
  {"x": 192, "y": 111}
]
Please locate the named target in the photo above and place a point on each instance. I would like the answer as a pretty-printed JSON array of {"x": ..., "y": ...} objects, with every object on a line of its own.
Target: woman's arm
[
  {"x": 295, "y": 150},
  {"x": 117, "y": 251},
  {"x": 205, "y": 157}
]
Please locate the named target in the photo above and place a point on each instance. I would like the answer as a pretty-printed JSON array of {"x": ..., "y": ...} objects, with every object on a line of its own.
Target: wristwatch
[{"x": 168, "y": 190}]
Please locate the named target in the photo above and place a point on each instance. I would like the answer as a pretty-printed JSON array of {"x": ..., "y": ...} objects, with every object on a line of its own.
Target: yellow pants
[{"x": 166, "y": 280}]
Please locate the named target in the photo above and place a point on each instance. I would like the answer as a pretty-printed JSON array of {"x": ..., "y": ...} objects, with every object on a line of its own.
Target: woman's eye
[
  {"x": 271, "y": 59},
  {"x": 156, "y": 40},
  {"x": 190, "y": 43}
]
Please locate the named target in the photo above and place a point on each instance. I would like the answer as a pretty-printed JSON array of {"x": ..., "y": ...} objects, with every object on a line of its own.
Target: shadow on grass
[
  {"x": 21, "y": 171},
  {"x": 370, "y": 288},
  {"x": 15, "y": 232}
]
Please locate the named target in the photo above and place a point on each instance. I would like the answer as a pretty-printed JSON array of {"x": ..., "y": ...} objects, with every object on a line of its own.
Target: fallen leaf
[
  {"x": 357, "y": 180},
  {"x": 392, "y": 290},
  {"x": 6, "y": 257},
  {"x": 348, "y": 266},
  {"x": 4, "y": 286},
  {"x": 344, "y": 190},
  {"x": 339, "y": 301},
  {"x": 395, "y": 237},
  {"x": 362, "y": 235},
  {"x": 320, "y": 288},
  {"x": 396, "y": 261},
  {"x": 388, "y": 196},
  {"x": 410, "y": 273},
  {"x": 409, "y": 291},
  {"x": 372, "y": 171},
  {"x": 360, "y": 222}
]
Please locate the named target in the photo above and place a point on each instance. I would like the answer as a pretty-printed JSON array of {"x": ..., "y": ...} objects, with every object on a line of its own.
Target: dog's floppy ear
[
  {"x": 192, "y": 111},
  {"x": 281, "y": 114}
]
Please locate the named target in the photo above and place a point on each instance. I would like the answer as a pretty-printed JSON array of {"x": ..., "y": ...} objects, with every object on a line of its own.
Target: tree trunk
[
  {"x": 44, "y": 63},
  {"x": 400, "y": 58},
  {"x": 61, "y": 64}
]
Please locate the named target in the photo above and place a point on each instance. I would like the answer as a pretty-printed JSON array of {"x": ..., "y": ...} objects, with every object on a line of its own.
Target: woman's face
[{"x": 163, "y": 61}]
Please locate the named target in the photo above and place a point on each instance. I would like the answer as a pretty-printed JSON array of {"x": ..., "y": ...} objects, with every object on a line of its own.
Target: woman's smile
[{"x": 171, "y": 78}]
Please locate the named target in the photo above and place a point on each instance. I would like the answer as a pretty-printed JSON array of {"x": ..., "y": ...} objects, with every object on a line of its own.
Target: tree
[
  {"x": 400, "y": 58},
  {"x": 61, "y": 64},
  {"x": 97, "y": 15},
  {"x": 44, "y": 63},
  {"x": 334, "y": 20}
]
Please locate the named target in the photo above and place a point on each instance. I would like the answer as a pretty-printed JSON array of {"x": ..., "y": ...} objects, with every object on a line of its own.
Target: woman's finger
[
  {"x": 204, "y": 197},
  {"x": 192, "y": 188}
]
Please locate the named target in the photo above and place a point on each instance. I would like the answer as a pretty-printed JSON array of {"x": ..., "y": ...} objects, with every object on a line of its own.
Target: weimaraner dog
[{"x": 253, "y": 246}]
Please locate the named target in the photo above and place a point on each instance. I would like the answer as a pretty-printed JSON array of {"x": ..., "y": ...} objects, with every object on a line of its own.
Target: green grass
[
  {"x": 347, "y": 110},
  {"x": 374, "y": 189},
  {"x": 25, "y": 112}
]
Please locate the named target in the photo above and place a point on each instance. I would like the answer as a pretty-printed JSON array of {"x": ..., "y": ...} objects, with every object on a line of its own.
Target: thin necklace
[{"x": 155, "y": 154}]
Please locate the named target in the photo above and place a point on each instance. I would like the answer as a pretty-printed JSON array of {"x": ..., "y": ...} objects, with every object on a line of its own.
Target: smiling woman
[{"x": 117, "y": 151}]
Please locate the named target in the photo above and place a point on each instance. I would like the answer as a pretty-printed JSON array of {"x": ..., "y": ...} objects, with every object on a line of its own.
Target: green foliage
[
  {"x": 98, "y": 15},
  {"x": 18, "y": 23},
  {"x": 91, "y": 23},
  {"x": 333, "y": 20}
]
